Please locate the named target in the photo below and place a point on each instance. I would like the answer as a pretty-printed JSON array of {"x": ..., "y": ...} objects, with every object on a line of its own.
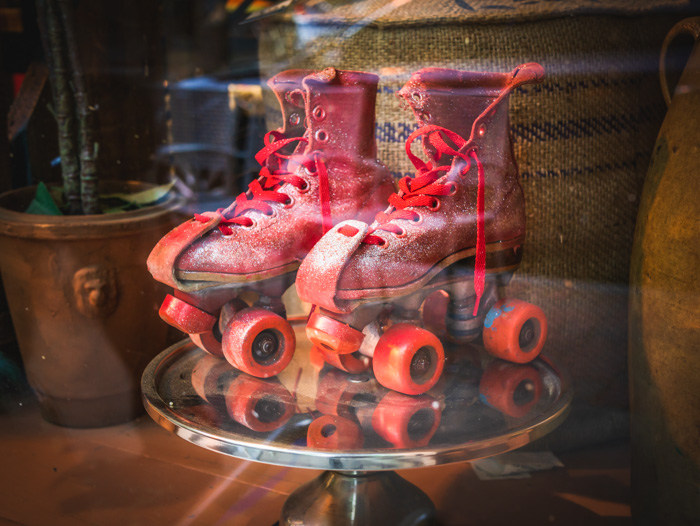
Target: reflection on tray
[{"x": 317, "y": 406}]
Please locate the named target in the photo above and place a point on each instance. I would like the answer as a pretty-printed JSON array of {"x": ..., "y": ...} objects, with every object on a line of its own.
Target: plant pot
[{"x": 83, "y": 305}]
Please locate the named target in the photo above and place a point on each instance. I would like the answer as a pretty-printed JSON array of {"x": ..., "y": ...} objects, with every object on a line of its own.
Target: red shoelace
[
  {"x": 264, "y": 189},
  {"x": 424, "y": 190}
]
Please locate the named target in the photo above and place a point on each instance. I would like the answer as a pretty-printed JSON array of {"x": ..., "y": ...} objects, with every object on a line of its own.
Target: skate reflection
[{"x": 320, "y": 406}]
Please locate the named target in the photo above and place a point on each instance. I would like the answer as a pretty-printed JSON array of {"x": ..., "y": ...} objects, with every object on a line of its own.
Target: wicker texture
[{"x": 582, "y": 141}]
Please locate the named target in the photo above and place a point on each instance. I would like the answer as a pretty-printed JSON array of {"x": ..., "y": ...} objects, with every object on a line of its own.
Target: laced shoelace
[
  {"x": 424, "y": 190},
  {"x": 265, "y": 189}
]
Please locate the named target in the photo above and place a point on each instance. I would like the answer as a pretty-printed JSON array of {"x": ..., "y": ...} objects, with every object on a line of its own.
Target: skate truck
[{"x": 450, "y": 238}]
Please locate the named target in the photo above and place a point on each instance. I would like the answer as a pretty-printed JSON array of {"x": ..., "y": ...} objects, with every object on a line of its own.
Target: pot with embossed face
[{"x": 84, "y": 308}]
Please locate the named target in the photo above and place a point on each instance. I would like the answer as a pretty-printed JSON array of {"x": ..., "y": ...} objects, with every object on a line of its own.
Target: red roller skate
[
  {"x": 457, "y": 226},
  {"x": 229, "y": 268}
]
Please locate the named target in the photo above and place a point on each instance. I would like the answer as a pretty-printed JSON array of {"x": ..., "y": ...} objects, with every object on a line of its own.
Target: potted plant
[{"x": 83, "y": 305}]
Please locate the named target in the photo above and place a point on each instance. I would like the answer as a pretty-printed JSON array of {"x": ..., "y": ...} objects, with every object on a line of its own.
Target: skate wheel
[
  {"x": 512, "y": 389},
  {"x": 408, "y": 359},
  {"x": 258, "y": 342},
  {"x": 259, "y": 405},
  {"x": 184, "y": 316},
  {"x": 334, "y": 432},
  {"x": 354, "y": 363},
  {"x": 208, "y": 342},
  {"x": 331, "y": 335},
  {"x": 406, "y": 422},
  {"x": 515, "y": 331}
]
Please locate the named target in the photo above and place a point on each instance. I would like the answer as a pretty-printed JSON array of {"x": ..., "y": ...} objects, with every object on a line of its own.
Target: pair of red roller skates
[{"x": 450, "y": 237}]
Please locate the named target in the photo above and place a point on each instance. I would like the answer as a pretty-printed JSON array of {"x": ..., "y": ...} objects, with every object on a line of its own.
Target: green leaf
[
  {"x": 43, "y": 203},
  {"x": 143, "y": 198}
]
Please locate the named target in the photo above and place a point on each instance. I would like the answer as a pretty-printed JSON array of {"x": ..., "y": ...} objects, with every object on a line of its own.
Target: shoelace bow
[
  {"x": 264, "y": 189},
  {"x": 424, "y": 190}
]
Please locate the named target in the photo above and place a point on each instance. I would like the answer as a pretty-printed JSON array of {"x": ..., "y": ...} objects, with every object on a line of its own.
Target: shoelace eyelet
[
  {"x": 435, "y": 205},
  {"x": 290, "y": 201},
  {"x": 418, "y": 219},
  {"x": 400, "y": 235},
  {"x": 453, "y": 187},
  {"x": 305, "y": 188},
  {"x": 319, "y": 113},
  {"x": 321, "y": 135}
]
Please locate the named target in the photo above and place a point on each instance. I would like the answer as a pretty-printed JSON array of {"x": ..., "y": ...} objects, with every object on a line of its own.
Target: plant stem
[
  {"x": 53, "y": 49},
  {"x": 88, "y": 171}
]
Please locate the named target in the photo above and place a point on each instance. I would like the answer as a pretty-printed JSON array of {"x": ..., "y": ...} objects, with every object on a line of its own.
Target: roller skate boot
[
  {"x": 229, "y": 268},
  {"x": 454, "y": 229}
]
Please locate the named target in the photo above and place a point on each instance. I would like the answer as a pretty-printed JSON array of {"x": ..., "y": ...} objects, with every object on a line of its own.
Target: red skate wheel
[
  {"x": 512, "y": 389},
  {"x": 350, "y": 363},
  {"x": 258, "y": 342},
  {"x": 260, "y": 405},
  {"x": 515, "y": 331},
  {"x": 334, "y": 432},
  {"x": 208, "y": 342},
  {"x": 331, "y": 335},
  {"x": 408, "y": 359},
  {"x": 186, "y": 317},
  {"x": 406, "y": 422}
]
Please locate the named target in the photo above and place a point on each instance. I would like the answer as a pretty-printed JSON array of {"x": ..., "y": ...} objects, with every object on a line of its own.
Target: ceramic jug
[{"x": 664, "y": 322}]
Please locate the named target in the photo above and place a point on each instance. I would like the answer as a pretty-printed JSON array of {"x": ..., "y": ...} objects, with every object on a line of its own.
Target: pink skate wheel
[
  {"x": 515, "y": 331},
  {"x": 334, "y": 432},
  {"x": 406, "y": 422},
  {"x": 331, "y": 335},
  {"x": 260, "y": 405},
  {"x": 350, "y": 363},
  {"x": 408, "y": 359},
  {"x": 258, "y": 342},
  {"x": 512, "y": 389},
  {"x": 208, "y": 342},
  {"x": 186, "y": 317}
]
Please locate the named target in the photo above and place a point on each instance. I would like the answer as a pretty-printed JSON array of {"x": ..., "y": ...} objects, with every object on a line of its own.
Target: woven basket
[{"x": 582, "y": 138}]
